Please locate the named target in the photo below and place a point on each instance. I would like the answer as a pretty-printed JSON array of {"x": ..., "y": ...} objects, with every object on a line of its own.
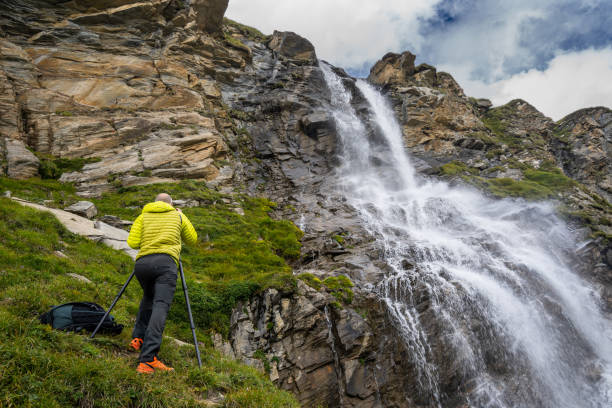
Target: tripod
[{"x": 195, "y": 339}]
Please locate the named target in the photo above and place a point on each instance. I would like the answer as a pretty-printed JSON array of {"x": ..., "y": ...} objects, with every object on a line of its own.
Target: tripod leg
[
  {"x": 195, "y": 339},
  {"x": 113, "y": 304}
]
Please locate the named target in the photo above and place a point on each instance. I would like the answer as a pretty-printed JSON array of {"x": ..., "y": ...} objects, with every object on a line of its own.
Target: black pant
[{"x": 157, "y": 276}]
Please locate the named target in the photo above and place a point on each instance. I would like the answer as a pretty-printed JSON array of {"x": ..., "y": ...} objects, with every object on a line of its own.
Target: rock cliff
[{"x": 165, "y": 90}]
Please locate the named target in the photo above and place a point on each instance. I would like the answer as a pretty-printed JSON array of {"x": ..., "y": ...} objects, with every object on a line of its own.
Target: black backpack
[{"x": 78, "y": 316}]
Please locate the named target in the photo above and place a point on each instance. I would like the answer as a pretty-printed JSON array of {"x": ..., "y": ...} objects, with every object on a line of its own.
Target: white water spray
[{"x": 492, "y": 289}]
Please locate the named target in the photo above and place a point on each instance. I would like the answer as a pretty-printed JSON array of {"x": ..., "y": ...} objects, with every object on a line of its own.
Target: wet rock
[
  {"x": 314, "y": 122},
  {"x": 84, "y": 208}
]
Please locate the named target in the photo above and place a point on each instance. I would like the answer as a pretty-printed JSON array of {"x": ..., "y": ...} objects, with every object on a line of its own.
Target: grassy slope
[
  {"x": 537, "y": 184},
  {"x": 42, "y": 367}
]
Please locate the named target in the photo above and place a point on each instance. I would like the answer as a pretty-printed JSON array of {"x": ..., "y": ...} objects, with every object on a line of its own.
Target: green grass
[
  {"x": 507, "y": 187},
  {"x": 37, "y": 190},
  {"x": 455, "y": 168},
  {"x": 497, "y": 120},
  {"x": 311, "y": 280},
  {"x": 236, "y": 257},
  {"x": 249, "y": 32},
  {"x": 339, "y": 286},
  {"x": 553, "y": 179},
  {"x": 52, "y": 167},
  {"x": 236, "y": 43},
  {"x": 537, "y": 184},
  {"x": 41, "y": 367}
]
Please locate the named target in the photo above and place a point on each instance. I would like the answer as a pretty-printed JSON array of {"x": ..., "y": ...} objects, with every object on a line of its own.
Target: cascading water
[{"x": 491, "y": 311}]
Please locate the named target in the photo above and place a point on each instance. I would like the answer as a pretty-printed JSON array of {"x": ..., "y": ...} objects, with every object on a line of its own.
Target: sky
[{"x": 555, "y": 54}]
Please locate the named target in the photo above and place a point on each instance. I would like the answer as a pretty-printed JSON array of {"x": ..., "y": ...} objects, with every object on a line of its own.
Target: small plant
[
  {"x": 339, "y": 239},
  {"x": 260, "y": 355},
  {"x": 455, "y": 168},
  {"x": 236, "y": 43},
  {"x": 52, "y": 167},
  {"x": 311, "y": 280},
  {"x": 249, "y": 32},
  {"x": 340, "y": 287}
]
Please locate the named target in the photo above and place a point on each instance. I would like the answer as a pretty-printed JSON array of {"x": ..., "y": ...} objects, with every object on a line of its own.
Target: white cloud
[
  {"x": 487, "y": 47},
  {"x": 572, "y": 81},
  {"x": 347, "y": 33}
]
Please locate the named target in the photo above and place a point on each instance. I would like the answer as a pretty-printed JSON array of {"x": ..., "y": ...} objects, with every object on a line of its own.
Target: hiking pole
[
  {"x": 113, "y": 304},
  {"x": 195, "y": 339}
]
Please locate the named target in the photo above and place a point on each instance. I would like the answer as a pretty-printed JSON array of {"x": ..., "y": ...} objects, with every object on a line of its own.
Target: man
[{"x": 157, "y": 233}]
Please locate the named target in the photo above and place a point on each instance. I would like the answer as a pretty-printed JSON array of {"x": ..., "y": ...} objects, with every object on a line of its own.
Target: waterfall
[{"x": 491, "y": 310}]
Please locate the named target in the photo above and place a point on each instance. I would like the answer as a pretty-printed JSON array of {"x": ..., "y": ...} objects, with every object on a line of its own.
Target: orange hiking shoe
[
  {"x": 158, "y": 365},
  {"x": 144, "y": 368},
  {"x": 136, "y": 344}
]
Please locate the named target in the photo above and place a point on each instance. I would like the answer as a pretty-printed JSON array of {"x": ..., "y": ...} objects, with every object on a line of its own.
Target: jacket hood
[{"x": 157, "y": 207}]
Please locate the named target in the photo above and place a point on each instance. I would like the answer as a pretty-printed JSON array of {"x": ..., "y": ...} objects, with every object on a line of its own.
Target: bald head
[{"x": 164, "y": 197}]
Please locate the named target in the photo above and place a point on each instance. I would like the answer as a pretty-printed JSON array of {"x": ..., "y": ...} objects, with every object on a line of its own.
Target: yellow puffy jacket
[{"x": 158, "y": 230}]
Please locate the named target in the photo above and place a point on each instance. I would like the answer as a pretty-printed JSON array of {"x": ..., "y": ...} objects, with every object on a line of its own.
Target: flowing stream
[{"x": 481, "y": 290}]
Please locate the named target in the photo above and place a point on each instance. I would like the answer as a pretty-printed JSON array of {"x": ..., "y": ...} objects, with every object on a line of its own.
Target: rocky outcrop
[
  {"x": 133, "y": 85},
  {"x": 209, "y": 14},
  {"x": 20, "y": 162},
  {"x": 292, "y": 46},
  {"x": 95, "y": 230},
  {"x": 326, "y": 354},
  {"x": 393, "y": 69},
  {"x": 583, "y": 144},
  {"x": 86, "y": 209}
]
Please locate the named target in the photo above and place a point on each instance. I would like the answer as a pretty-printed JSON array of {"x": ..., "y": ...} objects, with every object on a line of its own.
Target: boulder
[
  {"x": 115, "y": 221},
  {"x": 95, "y": 231},
  {"x": 483, "y": 103},
  {"x": 79, "y": 277},
  {"x": 84, "y": 208},
  {"x": 293, "y": 46},
  {"x": 209, "y": 14},
  {"x": 20, "y": 162},
  {"x": 393, "y": 69}
]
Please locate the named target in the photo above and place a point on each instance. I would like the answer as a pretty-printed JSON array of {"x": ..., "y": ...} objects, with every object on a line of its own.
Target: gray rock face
[
  {"x": 86, "y": 209},
  {"x": 325, "y": 355},
  {"x": 584, "y": 147},
  {"x": 315, "y": 122},
  {"x": 20, "y": 162}
]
